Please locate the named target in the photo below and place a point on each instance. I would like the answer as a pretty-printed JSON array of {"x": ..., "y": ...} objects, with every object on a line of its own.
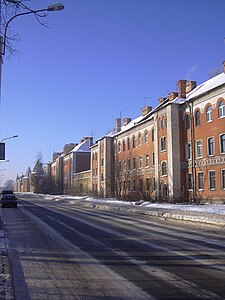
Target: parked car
[{"x": 8, "y": 199}]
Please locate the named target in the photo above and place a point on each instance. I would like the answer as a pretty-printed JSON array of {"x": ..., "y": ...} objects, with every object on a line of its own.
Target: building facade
[{"x": 174, "y": 152}]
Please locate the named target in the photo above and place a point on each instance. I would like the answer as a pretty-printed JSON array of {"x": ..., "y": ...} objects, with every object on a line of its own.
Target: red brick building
[{"x": 173, "y": 152}]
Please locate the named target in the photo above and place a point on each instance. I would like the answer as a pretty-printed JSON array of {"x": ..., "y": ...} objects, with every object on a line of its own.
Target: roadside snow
[{"x": 216, "y": 209}]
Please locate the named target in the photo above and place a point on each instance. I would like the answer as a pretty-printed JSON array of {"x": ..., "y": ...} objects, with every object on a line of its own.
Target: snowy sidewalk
[{"x": 212, "y": 214}]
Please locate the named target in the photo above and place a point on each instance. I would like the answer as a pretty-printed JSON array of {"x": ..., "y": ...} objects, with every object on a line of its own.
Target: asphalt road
[{"x": 59, "y": 251}]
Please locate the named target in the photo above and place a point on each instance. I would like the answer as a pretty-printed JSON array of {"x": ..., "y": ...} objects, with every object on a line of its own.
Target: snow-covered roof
[
  {"x": 82, "y": 147},
  {"x": 199, "y": 90},
  {"x": 207, "y": 86},
  {"x": 203, "y": 88}
]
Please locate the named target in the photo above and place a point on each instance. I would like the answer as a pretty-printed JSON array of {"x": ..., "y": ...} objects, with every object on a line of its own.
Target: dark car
[{"x": 8, "y": 199}]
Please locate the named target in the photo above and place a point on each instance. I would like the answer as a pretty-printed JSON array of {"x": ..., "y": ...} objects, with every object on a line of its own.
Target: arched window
[
  {"x": 146, "y": 137},
  {"x": 152, "y": 135},
  {"x": 197, "y": 118},
  {"x": 133, "y": 141},
  {"x": 124, "y": 145},
  {"x": 146, "y": 160},
  {"x": 139, "y": 139},
  {"x": 209, "y": 114},
  {"x": 163, "y": 168},
  {"x": 163, "y": 143},
  {"x": 128, "y": 144},
  {"x": 140, "y": 162},
  {"x": 119, "y": 147},
  {"x": 221, "y": 109}
]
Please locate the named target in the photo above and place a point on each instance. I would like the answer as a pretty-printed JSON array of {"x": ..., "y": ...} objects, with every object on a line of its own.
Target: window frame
[
  {"x": 222, "y": 143},
  {"x": 146, "y": 136},
  {"x": 197, "y": 149},
  {"x": 163, "y": 168},
  {"x": 221, "y": 109},
  {"x": 200, "y": 181},
  {"x": 140, "y": 162},
  {"x": 197, "y": 118},
  {"x": 212, "y": 180},
  {"x": 163, "y": 144},
  {"x": 210, "y": 146},
  {"x": 209, "y": 114},
  {"x": 146, "y": 160},
  {"x": 222, "y": 179}
]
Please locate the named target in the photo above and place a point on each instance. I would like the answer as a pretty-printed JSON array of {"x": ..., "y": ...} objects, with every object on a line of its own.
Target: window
[
  {"x": 223, "y": 179},
  {"x": 102, "y": 162},
  {"x": 209, "y": 114},
  {"x": 222, "y": 143},
  {"x": 197, "y": 118},
  {"x": 120, "y": 166},
  {"x": 163, "y": 143},
  {"x": 119, "y": 147},
  {"x": 141, "y": 185},
  {"x": 124, "y": 185},
  {"x": 200, "y": 181},
  {"x": 152, "y": 135},
  {"x": 134, "y": 163},
  {"x": 189, "y": 181},
  {"x": 124, "y": 166},
  {"x": 188, "y": 154},
  {"x": 154, "y": 184},
  {"x": 146, "y": 137},
  {"x": 187, "y": 121},
  {"x": 212, "y": 180},
  {"x": 139, "y": 139},
  {"x": 199, "y": 148},
  {"x": 128, "y": 186},
  {"x": 133, "y": 141},
  {"x": 124, "y": 146},
  {"x": 153, "y": 158},
  {"x": 129, "y": 164},
  {"x": 146, "y": 160},
  {"x": 134, "y": 185},
  {"x": 163, "y": 168},
  {"x": 140, "y": 162},
  {"x": 128, "y": 144},
  {"x": 211, "y": 146},
  {"x": 147, "y": 184},
  {"x": 221, "y": 109}
]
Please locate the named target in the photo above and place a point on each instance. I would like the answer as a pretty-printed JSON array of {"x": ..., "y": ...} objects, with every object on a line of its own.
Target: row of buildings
[{"x": 175, "y": 151}]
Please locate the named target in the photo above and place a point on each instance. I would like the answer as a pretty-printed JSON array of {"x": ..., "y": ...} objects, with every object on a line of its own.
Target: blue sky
[{"x": 96, "y": 60}]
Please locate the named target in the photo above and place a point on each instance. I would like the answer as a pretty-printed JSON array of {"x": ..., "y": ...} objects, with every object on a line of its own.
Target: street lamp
[
  {"x": 54, "y": 7},
  {"x": 4, "y": 161},
  {"x": 8, "y": 138}
]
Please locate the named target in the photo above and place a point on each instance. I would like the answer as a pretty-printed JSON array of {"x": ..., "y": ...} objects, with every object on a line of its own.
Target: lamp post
[
  {"x": 8, "y": 138},
  {"x": 3, "y": 39}
]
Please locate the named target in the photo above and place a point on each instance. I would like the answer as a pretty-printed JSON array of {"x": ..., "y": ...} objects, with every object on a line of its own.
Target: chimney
[
  {"x": 181, "y": 88},
  {"x": 161, "y": 100},
  {"x": 223, "y": 63},
  {"x": 190, "y": 85},
  {"x": 172, "y": 95},
  {"x": 145, "y": 110},
  {"x": 118, "y": 124},
  {"x": 126, "y": 121}
]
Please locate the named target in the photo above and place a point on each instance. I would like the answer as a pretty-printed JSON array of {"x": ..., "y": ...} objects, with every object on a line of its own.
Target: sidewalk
[{"x": 6, "y": 290}]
